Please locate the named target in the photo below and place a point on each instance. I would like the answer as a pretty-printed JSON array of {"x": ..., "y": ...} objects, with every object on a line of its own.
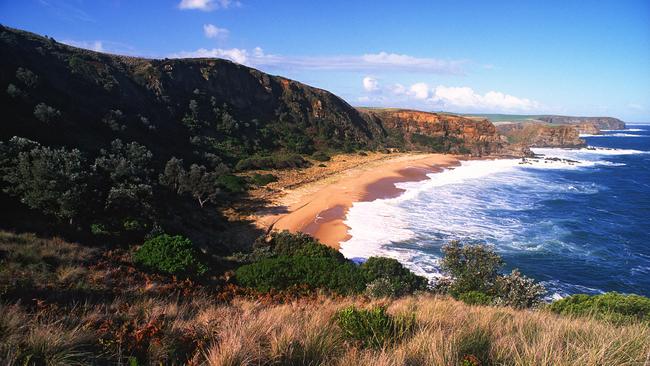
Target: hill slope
[{"x": 115, "y": 144}]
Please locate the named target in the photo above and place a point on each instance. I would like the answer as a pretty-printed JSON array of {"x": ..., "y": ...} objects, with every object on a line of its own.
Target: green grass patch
[
  {"x": 374, "y": 328},
  {"x": 611, "y": 306}
]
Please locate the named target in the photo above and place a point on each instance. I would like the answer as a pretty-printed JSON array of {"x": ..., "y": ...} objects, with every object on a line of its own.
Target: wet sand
[{"x": 319, "y": 208}]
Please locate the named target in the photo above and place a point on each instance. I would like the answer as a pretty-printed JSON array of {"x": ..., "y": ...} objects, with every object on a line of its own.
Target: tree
[
  {"x": 114, "y": 119},
  {"x": 201, "y": 184},
  {"x": 53, "y": 181},
  {"x": 191, "y": 119},
  {"x": 45, "y": 113},
  {"x": 27, "y": 77},
  {"x": 173, "y": 175},
  {"x": 472, "y": 267},
  {"x": 126, "y": 162},
  {"x": 125, "y": 184}
]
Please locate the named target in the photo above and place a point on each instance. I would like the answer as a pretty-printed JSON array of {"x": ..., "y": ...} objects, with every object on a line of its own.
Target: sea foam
[{"x": 456, "y": 203}]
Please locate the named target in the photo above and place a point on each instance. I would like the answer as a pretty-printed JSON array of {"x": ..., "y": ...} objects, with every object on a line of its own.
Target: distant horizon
[{"x": 584, "y": 61}]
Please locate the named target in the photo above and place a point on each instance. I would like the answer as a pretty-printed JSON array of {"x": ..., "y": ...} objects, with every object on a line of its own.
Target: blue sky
[{"x": 562, "y": 57}]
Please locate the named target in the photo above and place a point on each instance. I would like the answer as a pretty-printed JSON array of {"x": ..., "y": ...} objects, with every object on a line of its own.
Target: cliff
[
  {"x": 603, "y": 123},
  {"x": 541, "y": 135},
  {"x": 438, "y": 132}
]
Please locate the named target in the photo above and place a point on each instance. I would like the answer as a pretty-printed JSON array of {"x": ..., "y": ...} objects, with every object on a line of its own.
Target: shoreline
[{"x": 320, "y": 209}]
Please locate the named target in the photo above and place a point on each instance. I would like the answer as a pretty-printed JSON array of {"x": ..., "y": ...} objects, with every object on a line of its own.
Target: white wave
[
  {"x": 374, "y": 225},
  {"x": 613, "y": 135},
  {"x": 585, "y": 153},
  {"x": 627, "y": 129},
  {"x": 564, "y": 289}
]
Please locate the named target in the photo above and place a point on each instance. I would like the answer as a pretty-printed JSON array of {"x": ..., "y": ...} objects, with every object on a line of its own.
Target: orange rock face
[{"x": 476, "y": 137}]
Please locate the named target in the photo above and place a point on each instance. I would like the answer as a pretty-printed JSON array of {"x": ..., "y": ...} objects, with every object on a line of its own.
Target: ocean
[{"x": 577, "y": 219}]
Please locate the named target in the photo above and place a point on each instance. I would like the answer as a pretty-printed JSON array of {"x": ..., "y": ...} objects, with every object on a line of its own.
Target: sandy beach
[{"x": 319, "y": 208}]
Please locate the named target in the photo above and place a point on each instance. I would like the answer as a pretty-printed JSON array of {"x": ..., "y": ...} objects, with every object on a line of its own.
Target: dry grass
[
  {"x": 157, "y": 322},
  {"x": 304, "y": 333}
]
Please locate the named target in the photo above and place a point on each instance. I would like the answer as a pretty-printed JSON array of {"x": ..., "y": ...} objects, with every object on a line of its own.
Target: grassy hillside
[{"x": 66, "y": 304}]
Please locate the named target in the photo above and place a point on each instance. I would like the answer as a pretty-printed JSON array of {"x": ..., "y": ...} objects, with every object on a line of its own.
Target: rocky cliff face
[
  {"x": 588, "y": 128},
  {"x": 541, "y": 135},
  {"x": 603, "y": 123},
  {"x": 439, "y": 132}
]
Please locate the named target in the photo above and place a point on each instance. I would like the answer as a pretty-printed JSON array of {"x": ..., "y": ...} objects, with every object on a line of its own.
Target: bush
[
  {"x": 315, "y": 272},
  {"x": 263, "y": 179},
  {"x": 320, "y": 156},
  {"x": 381, "y": 288},
  {"x": 300, "y": 244},
  {"x": 472, "y": 267},
  {"x": 170, "y": 254},
  {"x": 475, "y": 298},
  {"x": 610, "y": 306},
  {"x": 374, "y": 328},
  {"x": 45, "y": 113},
  {"x": 403, "y": 281},
  {"x": 519, "y": 291}
]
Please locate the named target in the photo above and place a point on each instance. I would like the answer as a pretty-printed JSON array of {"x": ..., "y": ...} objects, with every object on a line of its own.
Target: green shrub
[
  {"x": 170, "y": 254},
  {"x": 374, "y": 328},
  {"x": 320, "y": 156},
  {"x": 519, "y": 291},
  {"x": 232, "y": 183},
  {"x": 610, "y": 306},
  {"x": 475, "y": 298},
  {"x": 285, "y": 243},
  {"x": 381, "y": 288},
  {"x": 263, "y": 179},
  {"x": 315, "y": 272},
  {"x": 472, "y": 267},
  {"x": 403, "y": 281}
]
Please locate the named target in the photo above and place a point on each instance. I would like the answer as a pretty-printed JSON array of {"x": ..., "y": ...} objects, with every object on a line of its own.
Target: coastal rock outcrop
[
  {"x": 541, "y": 135},
  {"x": 439, "y": 132},
  {"x": 603, "y": 123}
]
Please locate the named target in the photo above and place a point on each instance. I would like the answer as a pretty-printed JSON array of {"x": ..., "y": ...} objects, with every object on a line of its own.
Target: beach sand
[{"x": 319, "y": 208}]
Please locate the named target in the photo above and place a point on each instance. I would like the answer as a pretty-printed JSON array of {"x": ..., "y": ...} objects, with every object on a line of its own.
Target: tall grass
[
  {"x": 246, "y": 332},
  {"x": 189, "y": 325}
]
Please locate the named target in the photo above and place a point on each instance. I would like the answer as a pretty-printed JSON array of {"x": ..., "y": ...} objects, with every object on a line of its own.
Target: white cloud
[
  {"x": 212, "y": 31},
  {"x": 207, "y": 5},
  {"x": 237, "y": 55},
  {"x": 465, "y": 97},
  {"x": 370, "y": 84},
  {"x": 381, "y": 61},
  {"x": 419, "y": 90},
  {"x": 89, "y": 45},
  {"x": 459, "y": 99}
]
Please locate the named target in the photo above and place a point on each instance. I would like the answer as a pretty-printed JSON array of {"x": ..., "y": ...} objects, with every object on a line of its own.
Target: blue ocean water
[{"x": 579, "y": 225}]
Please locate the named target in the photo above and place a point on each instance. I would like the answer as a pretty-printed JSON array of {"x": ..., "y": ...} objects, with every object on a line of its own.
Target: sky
[{"x": 523, "y": 57}]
